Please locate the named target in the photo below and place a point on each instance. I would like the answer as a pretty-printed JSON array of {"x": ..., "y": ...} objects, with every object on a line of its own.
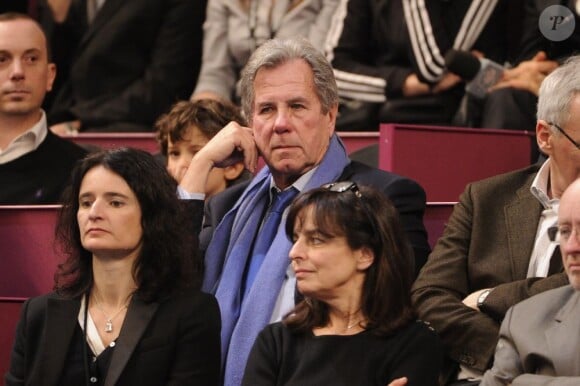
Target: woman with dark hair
[
  {"x": 355, "y": 325},
  {"x": 126, "y": 308}
]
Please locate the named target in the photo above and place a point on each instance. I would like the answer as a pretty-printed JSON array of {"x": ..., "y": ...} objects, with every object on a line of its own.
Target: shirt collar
[
  {"x": 539, "y": 188},
  {"x": 26, "y": 142},
  {"x": 299, "y": 184},
  {"x": 36, "y": 134}
]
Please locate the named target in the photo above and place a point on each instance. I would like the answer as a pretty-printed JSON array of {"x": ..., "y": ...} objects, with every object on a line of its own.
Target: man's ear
[
  {"x": 233, "y": 171},
  {"x": 365, "y": 258},
  {"x": 544, "y": 137},
  {"x": 51, "y": 76},
  {"x": 332, "y": 115}
]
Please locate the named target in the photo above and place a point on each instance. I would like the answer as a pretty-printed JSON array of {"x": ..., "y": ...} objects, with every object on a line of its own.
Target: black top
[
  {"x": 75, "y": 373},
  {"x": 280, "y": 357},
  {"x": 127, "y": 67},
  {"x": 172, "y": 342},
  {"x": 40, "y": 176}
]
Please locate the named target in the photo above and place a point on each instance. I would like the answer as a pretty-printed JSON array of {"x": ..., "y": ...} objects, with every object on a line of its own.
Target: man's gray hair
[
  {"x": 557, "y": 92},
  {"x": 276, "y": 52}
]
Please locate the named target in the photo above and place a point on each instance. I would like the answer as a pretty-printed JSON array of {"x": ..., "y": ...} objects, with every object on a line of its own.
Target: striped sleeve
[
  {"x": 425, "y": 22},
  {"x": 349, "y": 46},
  {"x": 360, "y": 87},
  {"x": 358, "y": 55},
  {"x": 475, "y": 20}
]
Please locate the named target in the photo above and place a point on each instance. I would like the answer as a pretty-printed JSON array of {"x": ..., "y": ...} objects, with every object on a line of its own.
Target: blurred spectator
[
  {"x": 389, "y": 57},
  {"x": 122, "y": 63},
  {"x": 495, "y": 250},
  {"x": 355, "y": 325},
  {"x": 34, "y": 163},
  {"x": 512, "y": 103},
  {"x": 127, "y": 309},
  {"x": 235, "y": 28},
  {"x": 538, "y": 342},
  {"x": 187, "y": 128}
]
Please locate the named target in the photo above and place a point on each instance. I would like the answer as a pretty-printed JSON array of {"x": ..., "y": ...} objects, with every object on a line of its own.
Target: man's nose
[
  {"x": 17, "y": 72},
  {"x": 282, "y": 119}
]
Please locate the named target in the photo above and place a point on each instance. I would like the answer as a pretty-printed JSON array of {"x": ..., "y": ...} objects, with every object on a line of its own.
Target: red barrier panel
[
  {"x": 27, "y": 250},
  {"x": 144, "y": 141},
  {"x": 30, "y": 259},
  {"x": 9, "y": 315},
  {"x": 444, "y": 159}
]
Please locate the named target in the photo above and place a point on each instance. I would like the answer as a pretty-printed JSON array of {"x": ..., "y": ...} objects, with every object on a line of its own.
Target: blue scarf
[{"x": 227, "y": 255}]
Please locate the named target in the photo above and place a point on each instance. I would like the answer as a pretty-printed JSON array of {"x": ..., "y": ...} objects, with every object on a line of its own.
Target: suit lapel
[
  {"x": 562, "y": 336},
  {"x": 103, "y": 16},
  {"x": 138, "y": 317},
  {"x": 521, "y": 225},
  {"x": 61, "y": 320}
]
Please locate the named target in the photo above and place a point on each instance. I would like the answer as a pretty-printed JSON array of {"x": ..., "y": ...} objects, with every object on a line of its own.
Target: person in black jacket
[
  {"x": 34, "y": 163},
  {"x": 127, "y": 309},
  {"x": 512, "y": 103},
  {"x": 124, "y": 63}
]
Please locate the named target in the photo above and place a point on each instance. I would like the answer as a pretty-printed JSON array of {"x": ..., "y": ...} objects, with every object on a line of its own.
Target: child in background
[{"x": 187, "y": 128}]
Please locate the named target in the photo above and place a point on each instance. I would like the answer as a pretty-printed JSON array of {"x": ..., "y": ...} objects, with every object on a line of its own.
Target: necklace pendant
[{"x": 109, "y": 326}]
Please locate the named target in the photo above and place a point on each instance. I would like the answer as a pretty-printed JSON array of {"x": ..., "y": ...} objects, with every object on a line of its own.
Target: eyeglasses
[
  {"x": 343, "y": 186},
  {"x": 561, "y": 234},
  {"x": 565, "y": 135}
]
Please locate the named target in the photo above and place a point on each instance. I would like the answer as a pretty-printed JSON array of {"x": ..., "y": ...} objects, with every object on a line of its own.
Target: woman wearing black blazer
[{"x": 129, "y": 259}]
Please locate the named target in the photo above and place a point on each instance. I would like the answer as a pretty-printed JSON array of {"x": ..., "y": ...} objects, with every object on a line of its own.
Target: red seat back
[
  {"x": 27, "y": 250},
  {"x": 444, "y": 159},
  {"x": 9, "y": 315},
  {"x": 143, "y": 141}
]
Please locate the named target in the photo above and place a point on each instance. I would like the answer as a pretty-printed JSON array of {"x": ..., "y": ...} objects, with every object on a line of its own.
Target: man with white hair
[{"x": 495, "y": 251}]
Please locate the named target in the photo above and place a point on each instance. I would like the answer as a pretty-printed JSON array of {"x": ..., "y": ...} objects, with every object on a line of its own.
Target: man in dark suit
[
  {"x": 122, "y": 63},
  {"x": 538, "y": 342},
  {"x": 289, "y": 96},
  {"x": 495, "y": 251},
  {"x": 34, "y": 163}
]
